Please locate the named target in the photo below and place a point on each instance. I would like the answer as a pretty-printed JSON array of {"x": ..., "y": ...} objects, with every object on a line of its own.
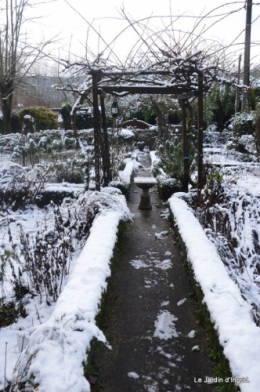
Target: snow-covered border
[
  {"x": 58, "y": 347},
  {"x": 238, "y": 334},
  {"x": 125, "y": 175}
]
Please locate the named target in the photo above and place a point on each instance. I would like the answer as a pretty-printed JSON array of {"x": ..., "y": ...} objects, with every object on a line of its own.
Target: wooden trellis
[
  {"x": 180, "y": 77},
  {"x": 179, "y": 91}
]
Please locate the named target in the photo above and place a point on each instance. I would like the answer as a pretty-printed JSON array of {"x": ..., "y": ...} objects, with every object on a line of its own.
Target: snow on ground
[
  {"x": 165, "y": 325},
  {"x": 238, "y": 333}
]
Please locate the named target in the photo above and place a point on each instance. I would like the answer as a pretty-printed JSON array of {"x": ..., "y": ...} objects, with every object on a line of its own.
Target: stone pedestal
[{"x": 145, "y": 183}]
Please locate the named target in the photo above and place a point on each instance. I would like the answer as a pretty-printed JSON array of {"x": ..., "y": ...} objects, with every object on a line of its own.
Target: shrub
[
  {"x": 123, "y": 187},
  {"x": 44, "y": 118},
  {"x": 71, "y": 170},
  {"x": 168, "y": 186},
  {"x": 242, "y": 124},
  {"x": 20, "y": 187},
  {"x": 172, "y": 161},
  {"x": 65, "y": 113},
  {"x": 257, "y": 128}
]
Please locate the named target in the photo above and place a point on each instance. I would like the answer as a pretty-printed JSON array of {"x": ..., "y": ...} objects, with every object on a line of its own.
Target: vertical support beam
[
  {"x": 238, "y": 81},
  {"x": 185, "y": 147},
  {"x": 106, "y": 156},
  {"x": 96, "y": 129},
  {"x": 200, "y": 135},
  {"x": 246, "y": 81}
]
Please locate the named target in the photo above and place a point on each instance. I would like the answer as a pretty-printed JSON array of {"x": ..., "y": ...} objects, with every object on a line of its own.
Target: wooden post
[
  {"x": 106, "y": 156},
  {"x": 185, "y": 148},
  {"x": 246, "y": 79},
  {"x": 96, "y": 129},
  {"x": 200, "y": 135},
  {"x": 238, "y": 82}
]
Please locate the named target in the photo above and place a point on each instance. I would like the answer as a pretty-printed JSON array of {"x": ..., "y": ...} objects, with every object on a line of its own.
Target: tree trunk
[
  {"x": 7, "y": 110},
  {"x": 96, "y": 130}
]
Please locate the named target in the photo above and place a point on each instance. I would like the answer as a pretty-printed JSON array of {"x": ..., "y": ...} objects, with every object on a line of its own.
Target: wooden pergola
[
  {"x": 183, "y": 78},
  {"x": 181, "y": 93}
]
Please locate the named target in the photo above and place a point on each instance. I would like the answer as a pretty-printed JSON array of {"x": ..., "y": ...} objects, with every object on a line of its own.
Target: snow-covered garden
[
  {"x": 56, "y": 244},
  {"x": 55, "y": 257}
]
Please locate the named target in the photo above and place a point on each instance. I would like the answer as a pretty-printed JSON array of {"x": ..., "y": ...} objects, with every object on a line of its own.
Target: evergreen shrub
[
  {"x": 44, "y": 118},
  {"x": 168, "y": 186}
]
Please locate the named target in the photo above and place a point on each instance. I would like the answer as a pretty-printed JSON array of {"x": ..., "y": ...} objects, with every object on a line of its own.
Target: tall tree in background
[{"x": 16, "y": 55}]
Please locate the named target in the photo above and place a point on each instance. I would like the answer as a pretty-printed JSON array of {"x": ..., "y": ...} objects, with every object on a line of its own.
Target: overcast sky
[{"x": 58, "y": 18}]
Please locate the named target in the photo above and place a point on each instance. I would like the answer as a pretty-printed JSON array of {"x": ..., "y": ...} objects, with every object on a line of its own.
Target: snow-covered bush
[
  {"x": 122, "y": 186},
  {"x": 126, "y": 135},
  {"x": 111, "y": 190},
  {"x": 56, "y": 145},
  {"x": 213, "y": 189},
  {"x": 68, "y": 170},
  {"x": 246, "y": 144},
  {"x": 257, "y": 128},
  {"x": 18, "y": 186},
  {"x": 242, "y": 124},
  {"x": 69, "y": 143},
  {"x": 214, "y": 138},
  {"x": 168, "y": 186},
  {"x": 230, "y": 218},
  {"x": 171, "y": 159},
  {"x": 42, "y": 261}
]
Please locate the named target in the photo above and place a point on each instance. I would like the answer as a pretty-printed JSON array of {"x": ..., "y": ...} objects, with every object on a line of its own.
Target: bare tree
[{"x": 16, "y": 55}]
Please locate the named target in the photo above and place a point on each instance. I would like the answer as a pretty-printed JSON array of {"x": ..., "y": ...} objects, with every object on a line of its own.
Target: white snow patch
[
  {"x": 165, "y": 303},
  {"x": 165, "y": 264},
  {"x": 181, "y": 301},
  {"x": 161, "y": 235},
  {"x": 133, "y": 375},
  {"x": 192, "y": 334},
  {"x": 167, "y": 253},
  {"x": 165, "y": 326},
  {"x": 138, "y": 264}
]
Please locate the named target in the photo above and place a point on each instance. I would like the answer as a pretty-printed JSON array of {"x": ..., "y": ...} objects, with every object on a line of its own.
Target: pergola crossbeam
[{"x": 144, "y": 90}]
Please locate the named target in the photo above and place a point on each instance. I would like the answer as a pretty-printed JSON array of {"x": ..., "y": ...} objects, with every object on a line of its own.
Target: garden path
[{"x": 148, "y": 313}]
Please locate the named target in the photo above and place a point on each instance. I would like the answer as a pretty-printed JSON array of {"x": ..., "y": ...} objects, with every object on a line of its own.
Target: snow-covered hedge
[
  {"x": 57, "y": 349},
  {"x": 231, "y": 314},
  {"x": 168, "y": 186}
]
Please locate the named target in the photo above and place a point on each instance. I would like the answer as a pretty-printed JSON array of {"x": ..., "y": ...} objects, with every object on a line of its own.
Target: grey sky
[{"x": 59, "y": 18}]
